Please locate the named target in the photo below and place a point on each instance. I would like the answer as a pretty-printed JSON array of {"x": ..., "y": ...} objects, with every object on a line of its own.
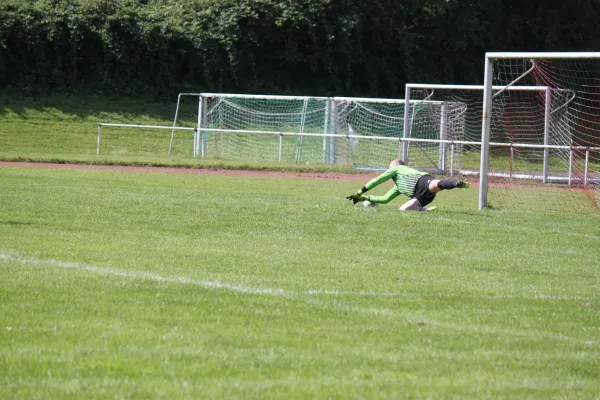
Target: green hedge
[{"x": 317, "y": 47}]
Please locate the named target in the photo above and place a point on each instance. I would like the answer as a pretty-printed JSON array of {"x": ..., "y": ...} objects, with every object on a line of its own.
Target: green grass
[
  {"x": 133, "y": 285},
  {"x": 66, "y": 124},
  {"x": 139, "y": 285}
]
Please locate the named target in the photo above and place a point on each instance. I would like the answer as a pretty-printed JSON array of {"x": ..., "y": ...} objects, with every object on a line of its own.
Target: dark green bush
[{"x": 318, "y": 47}]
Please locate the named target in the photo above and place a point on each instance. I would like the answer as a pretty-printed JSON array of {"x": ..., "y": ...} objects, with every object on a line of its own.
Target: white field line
[
  {"x": 139, "y": 274},
  {"x": 110, "y": 271},
  {"x": 307, "y": 296}
]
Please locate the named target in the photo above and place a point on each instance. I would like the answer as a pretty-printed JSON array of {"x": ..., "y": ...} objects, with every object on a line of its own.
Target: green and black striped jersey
[{"x": 405, "y": 180}]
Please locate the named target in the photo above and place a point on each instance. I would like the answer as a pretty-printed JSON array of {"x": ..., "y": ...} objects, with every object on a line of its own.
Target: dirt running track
[{"x": 358, "y": 177}]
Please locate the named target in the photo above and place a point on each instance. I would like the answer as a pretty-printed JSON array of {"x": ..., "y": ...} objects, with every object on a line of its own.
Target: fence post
[
  {"x": 547, "y": 111},
  {"x": 587, "y": 161},
  {"x": 202, "y": 109},
  {"x": 333, "y": 127},
  {"x": 280, "y": 146},
  {"x": 442, "y": 149},
  {"x": 570, "y": 165},
  {"x": 195, "y": 149},
  {"x": 452, "y": 158},
  {"x": 98, "y": 145},
  {"x": 512, "y": 158}
]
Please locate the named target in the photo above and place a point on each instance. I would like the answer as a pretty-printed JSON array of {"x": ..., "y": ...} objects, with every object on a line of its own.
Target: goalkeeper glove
[{"x": 356, "y": 197}]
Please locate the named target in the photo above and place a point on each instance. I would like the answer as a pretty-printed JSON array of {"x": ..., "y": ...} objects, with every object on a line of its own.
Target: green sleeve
[
  {"x": 389, "y": 174},
  {"x": 389, "y": 196}
]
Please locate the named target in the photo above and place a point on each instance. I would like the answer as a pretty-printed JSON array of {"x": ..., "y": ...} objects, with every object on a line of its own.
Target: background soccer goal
[
  {"x": 262, "y": 128},
  {"x": 379, "y": 130},
  {"x": 362, "y": 132},
  {"x": 545, "y": 142}
]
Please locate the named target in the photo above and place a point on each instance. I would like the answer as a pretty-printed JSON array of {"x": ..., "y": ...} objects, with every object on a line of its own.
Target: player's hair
[{"x": 396, "y": 162}]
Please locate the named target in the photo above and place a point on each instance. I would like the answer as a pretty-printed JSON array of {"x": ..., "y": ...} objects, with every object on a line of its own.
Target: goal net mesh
[
  {"x": 566, "y": 116},
  {"x": 363, "y": 133},
  {"x": 522, "y": 104},
  {"x": 379, "y": 124},
  {"x": 290, "y": 116},
  {"x": 370, "y": 131}
]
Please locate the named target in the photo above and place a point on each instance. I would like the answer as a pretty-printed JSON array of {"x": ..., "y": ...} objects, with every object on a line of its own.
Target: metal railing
[{"x": 200, "y": 148}]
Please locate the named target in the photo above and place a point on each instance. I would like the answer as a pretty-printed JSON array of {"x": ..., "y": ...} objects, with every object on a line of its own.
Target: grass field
[
  {"x": 63, "y": 127},
  {"x": 153, "y": 285}
]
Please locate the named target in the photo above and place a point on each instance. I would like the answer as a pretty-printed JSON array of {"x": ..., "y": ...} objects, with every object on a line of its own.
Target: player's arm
[
  {"x": 390, "y": 173},
  {"x": 358, "y": 196},
  {"x": 389, "y": 196}
]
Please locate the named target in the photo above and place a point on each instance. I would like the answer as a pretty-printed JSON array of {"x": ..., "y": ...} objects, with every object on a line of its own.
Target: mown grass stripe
[{"x": 310, "y": 296}]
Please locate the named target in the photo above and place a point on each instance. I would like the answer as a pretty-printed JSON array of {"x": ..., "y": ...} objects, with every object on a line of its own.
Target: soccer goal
[
  {"x": 540, "y": 149},
  {"x": 371, "y": 132},
  {"x": 262, "y": 128},
  {"x": 362, "y": 132}
]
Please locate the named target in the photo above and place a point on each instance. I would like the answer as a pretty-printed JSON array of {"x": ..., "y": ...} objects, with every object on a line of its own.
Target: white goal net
[
  {"x": 365, "y": 133},
  {"x": 263, "y": 128},
  {"x": 543, "y": 145},
  {"x": 380, "y": 131},
  {"x": 527, "y": 102}
]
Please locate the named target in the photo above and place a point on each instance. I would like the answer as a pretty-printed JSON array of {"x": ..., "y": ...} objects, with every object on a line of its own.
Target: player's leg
[
  {"x": 446, "y": 184},
  {"x": 412, "y": 205},
  {"x": 422, "y": 195}
]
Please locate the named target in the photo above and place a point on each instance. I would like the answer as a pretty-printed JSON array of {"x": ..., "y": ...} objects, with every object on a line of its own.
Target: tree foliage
[{"x": 318, "y": 47}]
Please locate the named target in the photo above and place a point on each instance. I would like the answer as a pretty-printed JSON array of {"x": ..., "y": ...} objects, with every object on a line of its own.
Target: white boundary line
[
  {"x": 209, "y": 284},
  {"x": 140, "y": 275},
  {"x": 307, "y": 296}
]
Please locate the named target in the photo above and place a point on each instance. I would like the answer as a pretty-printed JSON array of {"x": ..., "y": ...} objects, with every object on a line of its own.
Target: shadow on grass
[
  {"x": 17, "y": 223},
  {"x": 85, "y": 106}
]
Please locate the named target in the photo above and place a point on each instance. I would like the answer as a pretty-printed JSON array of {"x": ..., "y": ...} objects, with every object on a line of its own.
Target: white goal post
[{"x": 572, "y": 113}]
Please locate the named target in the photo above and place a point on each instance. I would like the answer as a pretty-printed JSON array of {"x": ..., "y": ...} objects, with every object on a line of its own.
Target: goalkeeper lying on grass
[{"x": 419, "y": 186}]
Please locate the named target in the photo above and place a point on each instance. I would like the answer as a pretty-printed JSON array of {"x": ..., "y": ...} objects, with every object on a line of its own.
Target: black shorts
[{"x": 422, "y": 193}]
